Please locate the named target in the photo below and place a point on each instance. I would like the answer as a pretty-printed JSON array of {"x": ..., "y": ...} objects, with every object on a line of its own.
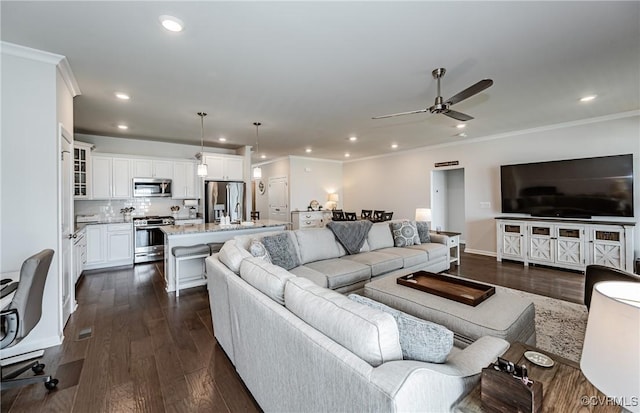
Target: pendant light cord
[
  {"x": 202, "y": 115},
  {"x": 257, "y": 124}
]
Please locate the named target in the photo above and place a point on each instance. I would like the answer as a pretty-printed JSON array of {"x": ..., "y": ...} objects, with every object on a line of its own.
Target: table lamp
[
  {"x": 333, "y": 198},
  {"x": 611, "y": 352},
  {"x": 423, "y": 214}
]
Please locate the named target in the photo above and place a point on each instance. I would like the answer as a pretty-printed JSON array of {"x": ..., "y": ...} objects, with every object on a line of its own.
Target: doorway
[
  {"x": 65, "y": 195},
  {"x": 447, "y": 201},
  {"x": 279, "y": 198}
]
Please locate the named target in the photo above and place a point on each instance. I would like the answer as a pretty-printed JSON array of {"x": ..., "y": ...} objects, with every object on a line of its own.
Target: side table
[
  {"x": 564, "y": 387},
  {"x": 453, "y": 244}
]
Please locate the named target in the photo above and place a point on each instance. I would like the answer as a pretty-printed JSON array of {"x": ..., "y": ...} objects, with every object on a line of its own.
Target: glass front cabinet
[{"x": 81, "y": 169}]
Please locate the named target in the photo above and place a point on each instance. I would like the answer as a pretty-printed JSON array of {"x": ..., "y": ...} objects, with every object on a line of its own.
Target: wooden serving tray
[{"x": 462, "y": 291}]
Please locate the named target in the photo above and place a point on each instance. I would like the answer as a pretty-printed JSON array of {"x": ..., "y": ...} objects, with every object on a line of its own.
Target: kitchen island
[{"x": 187, "y": 235}]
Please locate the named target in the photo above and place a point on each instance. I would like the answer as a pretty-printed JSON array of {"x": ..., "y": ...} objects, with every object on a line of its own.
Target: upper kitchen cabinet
[
  {"x": 82, "y": 170},
  {"x": 111, "y": 177},
  {"x": 152, "y": 168},
  {"x": 224, "y": 167},
  {"x": 184, "y": 180}
]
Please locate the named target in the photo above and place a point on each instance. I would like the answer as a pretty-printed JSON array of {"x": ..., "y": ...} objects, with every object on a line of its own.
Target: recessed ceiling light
[
  {"x": 394, "y": 146},
  {"x": 123, "y": 127},
  {"x": 122, "y": 96},
  {"x": 461, "y": 125},
  {"x": 308, "y": 150},
  {"x": 222, "y": 139},
  {"x": 353, "y": 138},
  {"x": 588, "y": 98},
  {"x": 173, "y": 24},
  {"x": 462, "y": 135},
  {"x": 346, "y": 155}
]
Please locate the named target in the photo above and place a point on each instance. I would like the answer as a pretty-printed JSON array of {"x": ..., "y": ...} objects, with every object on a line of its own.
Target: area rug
[{"x": 560, "y": 325}]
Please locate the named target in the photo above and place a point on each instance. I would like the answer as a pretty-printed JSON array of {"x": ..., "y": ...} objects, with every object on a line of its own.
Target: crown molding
[{"x": 59, "y": 61}]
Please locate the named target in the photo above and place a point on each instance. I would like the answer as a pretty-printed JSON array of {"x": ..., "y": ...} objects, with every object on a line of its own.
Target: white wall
[
  {"x": 276, "y": 168},
  {"x": 401, "y": 182},
  {"x": 314, "y": 179},
  {"x": 35, "y": 100}
]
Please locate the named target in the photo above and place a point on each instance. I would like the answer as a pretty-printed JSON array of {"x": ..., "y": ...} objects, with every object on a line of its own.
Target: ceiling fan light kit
[{"x": 443, "y": 106}]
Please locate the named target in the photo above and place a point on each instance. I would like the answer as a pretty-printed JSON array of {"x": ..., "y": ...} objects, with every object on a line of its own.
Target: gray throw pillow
[
  {"x": 404, "y": 233},
  {"x": 419, "y": 339},
  {"x": 257, "y": 249},
  {"x": 281, "y": 250},
  {"x": 423, "y": 231}
]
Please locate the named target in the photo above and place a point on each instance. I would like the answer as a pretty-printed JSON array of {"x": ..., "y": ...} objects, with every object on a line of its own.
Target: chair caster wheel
[
  {"x": 38, "y": 368},
  {"x": 51, "y": 384}
]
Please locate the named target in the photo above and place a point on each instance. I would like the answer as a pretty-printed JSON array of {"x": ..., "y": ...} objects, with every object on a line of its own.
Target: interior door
[
  {"x": 279, "y": 198},
  {"x": 67, "y": 286}
]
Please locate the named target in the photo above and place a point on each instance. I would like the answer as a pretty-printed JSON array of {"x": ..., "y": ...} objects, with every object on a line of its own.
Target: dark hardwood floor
[{"x": 147, "y": 351}]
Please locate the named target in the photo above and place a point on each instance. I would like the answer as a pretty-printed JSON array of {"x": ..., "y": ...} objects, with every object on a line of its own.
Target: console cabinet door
[
  {"x": 512, "y": 240},
  {"x": 570, "y": 240},
  {"x": 606, "y": 247},
  {"x": 541, "y": 243}
]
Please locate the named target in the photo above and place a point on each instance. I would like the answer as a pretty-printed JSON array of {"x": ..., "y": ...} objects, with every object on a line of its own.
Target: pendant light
[
  {"x": 257, "y": 171},
  {"x": 202, "y": 168}
]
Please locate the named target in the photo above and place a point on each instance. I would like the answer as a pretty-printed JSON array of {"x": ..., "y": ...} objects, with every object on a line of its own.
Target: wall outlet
[{"x": 485, "y": 205}]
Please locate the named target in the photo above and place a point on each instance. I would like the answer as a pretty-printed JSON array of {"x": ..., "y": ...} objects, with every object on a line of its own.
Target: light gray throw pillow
[
  {"x": 281, "y": 250},
  {"x": 423, "y": 231},
  {"x": 419, "y": 339},
  {"x": 257, "y": 249}
]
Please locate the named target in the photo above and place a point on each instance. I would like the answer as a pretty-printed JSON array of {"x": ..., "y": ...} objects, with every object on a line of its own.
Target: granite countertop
[
  {"x": 170, "y": 230},
  {"x": 82, "y": 225}
]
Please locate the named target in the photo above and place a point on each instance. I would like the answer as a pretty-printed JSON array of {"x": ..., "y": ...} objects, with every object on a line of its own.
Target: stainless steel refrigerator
[{"x": 224, "y": 198}]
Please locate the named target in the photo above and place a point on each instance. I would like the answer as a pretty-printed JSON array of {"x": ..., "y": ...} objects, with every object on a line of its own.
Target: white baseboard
[{"x": 480, "y": 252}]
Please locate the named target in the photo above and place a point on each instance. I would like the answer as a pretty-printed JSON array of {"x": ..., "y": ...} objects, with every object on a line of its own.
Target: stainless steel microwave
[{"x": 149, "y": 187}]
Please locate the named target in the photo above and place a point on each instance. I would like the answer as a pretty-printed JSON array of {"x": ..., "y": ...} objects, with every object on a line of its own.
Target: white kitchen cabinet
[
  {"x": 79, "y": 254},
  {"x": 122, "y": 179},
  {"x": 101, "y": 169},
  {"x": 566, "y": 244},
  {"x": 109, "y": 245},
  {"x": 184, "y": 185},
  {"x": 82, "y": 170},
  {"x": 224, "y": 167},
  {"x": 152, "y": 168}
]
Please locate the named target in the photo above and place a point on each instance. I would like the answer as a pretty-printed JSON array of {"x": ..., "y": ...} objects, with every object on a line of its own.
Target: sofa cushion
[
  {"x": 379, "y": 262},
  {"x": 420, "y": 339},
  {"x": 317, "y": 277},
  {"x": 369, "y": 333},
  {"x": 411, "y": 257},
  {"x": 404, "y": 233},
  {"x": 379, "y": 236},
  {"x": 257, "y": 249},
  {"x": 423, "y": 231},
  {"x": 317, "y": 244},
  {"x": 265, "y": 277},
  {"x": 232, "y": 255},
  {"x": 341, "y": 272},
  {"x": 434, "y": 250},
  {"x": 282, "y": 250}
]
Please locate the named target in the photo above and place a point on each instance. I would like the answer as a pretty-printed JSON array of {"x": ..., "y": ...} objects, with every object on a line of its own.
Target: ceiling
[{"x": 314, "y": 73}]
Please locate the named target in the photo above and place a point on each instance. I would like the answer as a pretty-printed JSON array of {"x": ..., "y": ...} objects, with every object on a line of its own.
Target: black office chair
[
  {"x": 378, "y": 215},
  {"x": 387, "y": 216},
  {"x": 337, "y": 215},
  {"x": 23, "y": 314},
  {"x": 596, "y": 273},
  {"x": 350, "y": 216},
  {"x": 366, "y": 214}
]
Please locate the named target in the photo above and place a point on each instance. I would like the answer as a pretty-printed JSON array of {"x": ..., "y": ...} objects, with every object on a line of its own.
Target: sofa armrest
[
  {"x": 478, "y": 354},
  {"x": 439, "y": 238}
]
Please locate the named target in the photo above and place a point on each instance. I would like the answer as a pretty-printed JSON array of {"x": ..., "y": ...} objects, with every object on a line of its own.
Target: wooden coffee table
[{"x": 564, "y": 387}]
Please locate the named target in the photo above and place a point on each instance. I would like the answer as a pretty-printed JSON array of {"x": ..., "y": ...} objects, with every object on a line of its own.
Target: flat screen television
[{"x": 572, "y": 188}]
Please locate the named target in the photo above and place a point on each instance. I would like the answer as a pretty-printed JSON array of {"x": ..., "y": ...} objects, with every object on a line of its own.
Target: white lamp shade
[
  {"x": 334, "y": 197},
  {"x": 423, "y": 214},
  {"x": 611, "y": 351},
  {"x": 202, "y": 169},
  {"x": 257, "y": 173}
]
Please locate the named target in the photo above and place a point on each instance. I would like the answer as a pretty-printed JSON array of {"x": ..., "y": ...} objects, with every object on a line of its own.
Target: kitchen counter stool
[{"x": 182, "y": 254}]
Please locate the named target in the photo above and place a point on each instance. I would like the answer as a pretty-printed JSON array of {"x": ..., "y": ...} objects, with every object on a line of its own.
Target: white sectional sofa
[{"x": 300, "y": 346}]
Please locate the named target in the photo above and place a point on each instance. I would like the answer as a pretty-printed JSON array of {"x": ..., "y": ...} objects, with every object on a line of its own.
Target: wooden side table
[{"x": 564, "y": 387}]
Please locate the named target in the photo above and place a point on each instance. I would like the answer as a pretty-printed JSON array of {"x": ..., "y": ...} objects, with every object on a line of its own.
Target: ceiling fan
[{"x": 442, "y": 106}]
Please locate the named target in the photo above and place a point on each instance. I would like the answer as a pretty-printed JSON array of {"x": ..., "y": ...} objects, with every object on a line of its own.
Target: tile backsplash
[{"x": 143, "y": 207}]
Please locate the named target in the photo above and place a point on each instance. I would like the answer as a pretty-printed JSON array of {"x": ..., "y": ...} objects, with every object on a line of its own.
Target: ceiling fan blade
[
  {"x": 400, "y": 114},
  {"x": 470, "y": 91},
  {"x": 457, "y": 115}
]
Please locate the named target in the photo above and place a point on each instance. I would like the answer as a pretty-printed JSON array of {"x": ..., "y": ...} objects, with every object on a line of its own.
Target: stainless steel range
[{"x": 149, "y": 240}]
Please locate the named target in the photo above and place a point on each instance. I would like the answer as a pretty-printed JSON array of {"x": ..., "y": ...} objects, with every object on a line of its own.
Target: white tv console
[{"x": 571, "y": 244}]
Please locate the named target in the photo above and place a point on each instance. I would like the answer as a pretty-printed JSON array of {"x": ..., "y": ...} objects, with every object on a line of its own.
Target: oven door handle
[{"x": 149, "y": 227}]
